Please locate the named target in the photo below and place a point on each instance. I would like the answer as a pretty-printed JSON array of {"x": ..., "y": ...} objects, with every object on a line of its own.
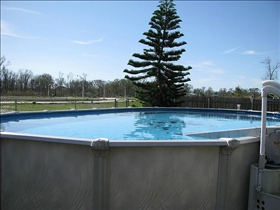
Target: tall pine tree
[{"x": 160, "y": 82}]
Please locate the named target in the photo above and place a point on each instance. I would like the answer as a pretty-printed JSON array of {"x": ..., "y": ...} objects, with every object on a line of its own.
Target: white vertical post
[
  {"x": 262, "y": 140},
  {"x": 263, "y": 130},
  {"x": 83, "y": 86}
]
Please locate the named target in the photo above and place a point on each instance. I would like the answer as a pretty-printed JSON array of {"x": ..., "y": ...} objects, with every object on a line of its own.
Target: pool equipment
[
  {"x": 269, "y": 86},
  {"x": 265, "y": 176}
]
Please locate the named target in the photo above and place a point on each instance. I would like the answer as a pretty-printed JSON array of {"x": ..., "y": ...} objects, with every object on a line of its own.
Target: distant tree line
[
  {"x": 25, "y": 83},
  {"x": 236, "y": 92}
]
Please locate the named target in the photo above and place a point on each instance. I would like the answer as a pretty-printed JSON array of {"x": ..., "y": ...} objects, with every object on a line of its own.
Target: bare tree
[
  {"x": 70, "y": 77},
  {"x": 24, "y": 77},
  {"x": 223, "y": 92},
  {"x": 60, "y": 82},
  {"x": 271, "y": 71},
  {"x": 2, "y": 62},
  {"x": 45, "y": 81},
  {"x": 84, "y": 83},
  {"x": 209, "y": 92},
  {"x": 99, "y": 84},
  {"x": 4, "y": 73}
]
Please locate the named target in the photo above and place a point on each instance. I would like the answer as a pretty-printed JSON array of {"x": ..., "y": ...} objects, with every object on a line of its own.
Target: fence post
[
  {"x": 252, "y": 102},
  {"x": 16, "y": 105},
  {"x": 127, "y": 102},
  {"x": 116, "y": 103}
]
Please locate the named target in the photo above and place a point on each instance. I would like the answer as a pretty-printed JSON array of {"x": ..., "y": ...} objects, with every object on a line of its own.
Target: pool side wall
[
  {"x": 44, "y": 175},
  {"x": 39, "y": 174}
]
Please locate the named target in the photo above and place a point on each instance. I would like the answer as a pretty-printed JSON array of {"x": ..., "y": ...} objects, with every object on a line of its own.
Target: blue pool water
[{"x": 132, "y": 125}]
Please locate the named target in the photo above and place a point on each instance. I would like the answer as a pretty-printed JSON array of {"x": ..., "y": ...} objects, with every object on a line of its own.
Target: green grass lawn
[{"x": 30, "y": 106}]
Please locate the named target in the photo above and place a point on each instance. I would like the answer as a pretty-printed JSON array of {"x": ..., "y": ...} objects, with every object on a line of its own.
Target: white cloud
[
  {"x": 21, "y": 10},
  {"x": 7, "y": 30},
  {"x": 207, "y": 66},
  {"x": 231, "y": 50},
  {"x": 88, "y": 42},
  {"x": 5, "y": 27},
  {"x": 250, "y": 52},
  {"x": 201, "y": 65}
]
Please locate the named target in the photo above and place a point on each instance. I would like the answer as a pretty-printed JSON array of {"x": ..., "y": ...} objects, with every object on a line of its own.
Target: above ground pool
[
  {"x": 141, "y": 158},
  {"x": 130, "y": 158},
  {"x": 133, "y": 123}
]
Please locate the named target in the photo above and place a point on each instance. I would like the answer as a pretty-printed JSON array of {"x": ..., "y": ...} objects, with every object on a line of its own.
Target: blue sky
[{"x": 226, "y": 40}]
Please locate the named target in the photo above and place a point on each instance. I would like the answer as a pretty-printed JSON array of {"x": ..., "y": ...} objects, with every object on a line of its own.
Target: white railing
[{"x": 269, "y": 86}]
